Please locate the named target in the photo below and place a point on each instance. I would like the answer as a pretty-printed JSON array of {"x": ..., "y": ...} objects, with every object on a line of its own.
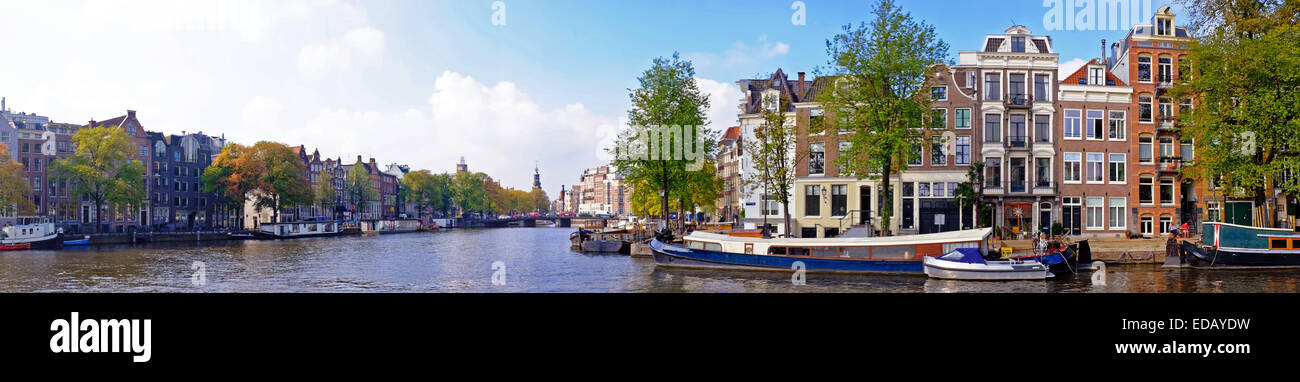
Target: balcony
[
  {"x": 1168, "y": 165},
  {"x": 1018, "y": 142},
  {"x": 1019, "y": 186},
  {"x": 1019, "y": 101}
]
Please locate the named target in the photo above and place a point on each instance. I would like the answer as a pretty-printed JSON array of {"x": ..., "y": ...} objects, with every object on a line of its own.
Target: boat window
[
  {"x": 1295, "y": 243},
  {"x": 776, "y": 250},
  {"x": 713, "y": 246},
  {"x": 895, "y": 252},
  {"x": 798, "y": 252},
  {"x": 695, "y": 245},
  {"x": 825, "y": 252},
  {"x": 854, "y": 252},
  {"x": 1277, "y": 244}
]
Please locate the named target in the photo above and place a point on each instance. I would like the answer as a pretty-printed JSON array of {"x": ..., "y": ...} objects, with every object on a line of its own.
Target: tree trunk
[
  {"x": 887, "y": 210},
  {"x": 99, "y": 215},
  {"x": 785, "y": 206}
]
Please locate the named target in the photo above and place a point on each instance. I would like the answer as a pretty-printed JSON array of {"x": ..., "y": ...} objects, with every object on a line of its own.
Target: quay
[{"x": 1111, "y": 250}]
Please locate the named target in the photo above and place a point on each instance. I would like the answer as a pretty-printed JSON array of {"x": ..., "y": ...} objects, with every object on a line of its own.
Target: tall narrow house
[{"x": 1014, "y": 80}]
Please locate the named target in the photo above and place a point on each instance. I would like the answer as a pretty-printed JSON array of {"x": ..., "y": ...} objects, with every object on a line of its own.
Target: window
[
  {"x": 914, "y": 159},
  {"x": 1094, "y": 207},
  {"x": 1144, "y": 68},
  {"x": 1118, "y": 163},
  {"x": 1165, "y": 222},
  {"x": 1144, "y": 150},
  {"x": 1185, "y": 105},
  {"x": 1073, "y": 167},
  {"x": 1166, "y": 69},
  {"x": 962, "y": 118},
  {"x": 992, "y": 87},
  {"x": 1189, "y": 153},
  {"x": 938, "y": 189},
  {"x": 1166, "y": 191},
  {"x": 1145, "y": 226},
  {"x": 993, "y": 175},
  {"x": 1144, "y": 108},
  {"x": 812, "y": 203},
  {"x": 939, "y": 119},
  {"x": 1213, "y": 211},
  {"x": 938, "y": 151},
  {"x": 923, "y": 189},
  {"x": 939, "y": 93},
  {"x": 1041, "y": 87},
  {"x": 963, "y": 149},
  {"x": 1116, "y": 131},
  {"x": 1018, "y": 44},
  {"x": 993, "y": 128},
  {"x": 1166, "y": 107},
  {"x": 1016, "y": 89},
  {"x": 817, "y": 158},
  {"x": 1145, "y": 184},
  {"x": 1117, "y": 206},
  {"x": 770, "y": 206},
  {"x": 839, "y": 200},
  {"x": 1166, "y": 148},
  {"x": 1096, "y": 76},
  {"x": 1096, "y": 118},
  {"x": 1042, "y": 128},
  {"x": 1073, "y": 124},
  {"x": 1044, "y": 172},
  {"x": 1016, "y": 132},
  {"x": 1094, "y": 173}
]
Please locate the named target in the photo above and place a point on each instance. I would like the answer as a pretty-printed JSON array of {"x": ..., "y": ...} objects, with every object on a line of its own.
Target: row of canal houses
[
  {"x": 174, "y": 166},
  {"x": 1097, "y": 149}
]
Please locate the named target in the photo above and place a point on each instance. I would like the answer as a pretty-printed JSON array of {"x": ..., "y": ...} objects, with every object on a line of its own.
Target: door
[
  {"x": 1238, "y": 213},
  {"x": 864, "y": 204},
  {"x": 1072, "y": 219},
  {"x": 1045, "y": 218}
]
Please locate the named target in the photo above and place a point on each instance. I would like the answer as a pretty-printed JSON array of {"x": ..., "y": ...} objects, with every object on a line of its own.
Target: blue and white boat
[
  {"x": 969, "y": 264},
  {"x": 1231, "y": 245},
  {"x": 84, "y": 240},
  {"x": 33, "y": 233},
  {"x": 899, "y": 254}
]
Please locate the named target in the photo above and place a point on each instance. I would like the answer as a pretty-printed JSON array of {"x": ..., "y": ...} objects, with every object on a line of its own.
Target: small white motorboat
[{"x": 969, "y": 264}]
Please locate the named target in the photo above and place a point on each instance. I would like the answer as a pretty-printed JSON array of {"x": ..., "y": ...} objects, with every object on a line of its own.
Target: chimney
[
  {"x": 358, "y": 158},
  {"x": 2, "y": 104},
  {"x": 1103, "y": 52},
  {"x": 130, "y": 114}
]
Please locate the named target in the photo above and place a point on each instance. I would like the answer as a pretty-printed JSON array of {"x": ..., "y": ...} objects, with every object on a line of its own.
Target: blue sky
[{"x": 426, "y": 82}]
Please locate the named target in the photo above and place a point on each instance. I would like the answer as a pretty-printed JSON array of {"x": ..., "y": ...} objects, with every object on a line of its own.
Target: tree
[
  {"x": 101, "y": 170},
  {"x": 357, "y": 187},
  {"x": 1244, "y": 75},
  {"x": 971, "y": 193},
  {"x": 667, "y": 117},
  {"x": 541, "y": 201},
  {"x": 420, "y": 188},
  {"x": 774, "y": 153},
  {"x": 878, "y": 73},
  {"x": 442, "y": 194},
  {"x": 224, "y": 178},
  {"x": 14, "y": 190},
  {"x": 278, "y": 179},
  {"x": 325, "y": 194},
  {"x": 469, "y": 193}
]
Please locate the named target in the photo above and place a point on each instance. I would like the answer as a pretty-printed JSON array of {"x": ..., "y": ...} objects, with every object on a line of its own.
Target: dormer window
[
  {"x": 1164, "y": 27},
  {"x": 1018, "y": 44},
  {"x": 1096, "y": 76}
]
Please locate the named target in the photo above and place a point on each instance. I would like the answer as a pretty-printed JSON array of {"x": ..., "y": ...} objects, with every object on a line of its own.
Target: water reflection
[{"x": 537, "y": 260}]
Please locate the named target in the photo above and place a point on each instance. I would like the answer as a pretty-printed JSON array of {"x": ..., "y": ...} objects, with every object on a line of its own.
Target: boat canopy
[
  {"x": 964, "y": 255},
  {"x": 945, "y": 237}
]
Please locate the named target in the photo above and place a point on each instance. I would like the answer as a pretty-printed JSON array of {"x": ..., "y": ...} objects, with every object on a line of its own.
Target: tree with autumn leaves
[
  {"x": 102, "y": 170},
  {"x": 268, "y": 173},
  {"x": 15, "y": 192}
]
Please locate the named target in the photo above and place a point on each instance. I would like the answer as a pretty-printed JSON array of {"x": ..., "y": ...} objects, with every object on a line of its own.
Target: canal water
[{"x": 530, "y": 259}]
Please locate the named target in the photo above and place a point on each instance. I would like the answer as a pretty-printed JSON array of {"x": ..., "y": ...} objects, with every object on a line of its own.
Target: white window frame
[
  {"x": 1123, "y": 164},
  {"x": 1116, "y": 207},
  {"x": 1122, "y": 133},
  {"x": 1088, "y": 213},
  {"x": 1089, "y": 125},
  {"x": 1088, "y": 170},
  {"x": 1078, "y": 171},
  {"x": 970, "y": 120},
  {"x": 945, "y": 93},
  {"x": 1152, "y": 149},
  {"x": 1078, "y": 125}
]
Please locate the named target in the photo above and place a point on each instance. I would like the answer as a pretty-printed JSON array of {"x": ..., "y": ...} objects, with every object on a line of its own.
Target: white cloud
[
  {"x": 724, "y": 98},
  {"x": 360, "y": 47},
  {"x": 740, "y": 54},
  {"x": 1069, "y": 67},
  {"x": 498, "y": 128}
]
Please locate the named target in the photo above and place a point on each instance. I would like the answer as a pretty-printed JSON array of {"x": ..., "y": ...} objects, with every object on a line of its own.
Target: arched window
[{"x": 1144, "y": 68}]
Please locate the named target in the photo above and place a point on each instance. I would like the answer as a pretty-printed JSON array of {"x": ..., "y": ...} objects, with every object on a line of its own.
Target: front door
[
  {"x": 1045, "y": 218},
  {"x": 1072, "y": 219},
  {"x": 864, "y": 204}
]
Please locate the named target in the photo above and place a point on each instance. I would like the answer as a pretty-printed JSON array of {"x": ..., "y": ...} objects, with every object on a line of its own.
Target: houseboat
[
  {"x": 386, "y": 226},
  {"x": 294, "y": 230},
  {"x": 613, "y": 240},
  {"x": 1231, "y": 245},
  {"x": 32, "y": 233},
  {"x": 899, "y": 254},
  {"x": 969, "y": 264}
]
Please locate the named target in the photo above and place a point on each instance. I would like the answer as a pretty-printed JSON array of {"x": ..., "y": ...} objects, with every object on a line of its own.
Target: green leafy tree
[
  {"x": 774, "y": 153},
  {"x": 443, "y": 195},
  {"x": 101, "y": 170},
  {"x": 14, "y": 190},
  {"x": 971, "y": 193},
  {"x": 419, "y": 188},
  {"x": 357, "y": 187},
  {"x": 668, "y": 96},
  {"x": 878, "y": 73},
  {"x": 1244, "y": 81},
  {"x": 327, "y": 197},
  {"x": 278, "y": 177},
  {"x": 469, "y": 193},
  {"x": 541, "y": 201}
]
